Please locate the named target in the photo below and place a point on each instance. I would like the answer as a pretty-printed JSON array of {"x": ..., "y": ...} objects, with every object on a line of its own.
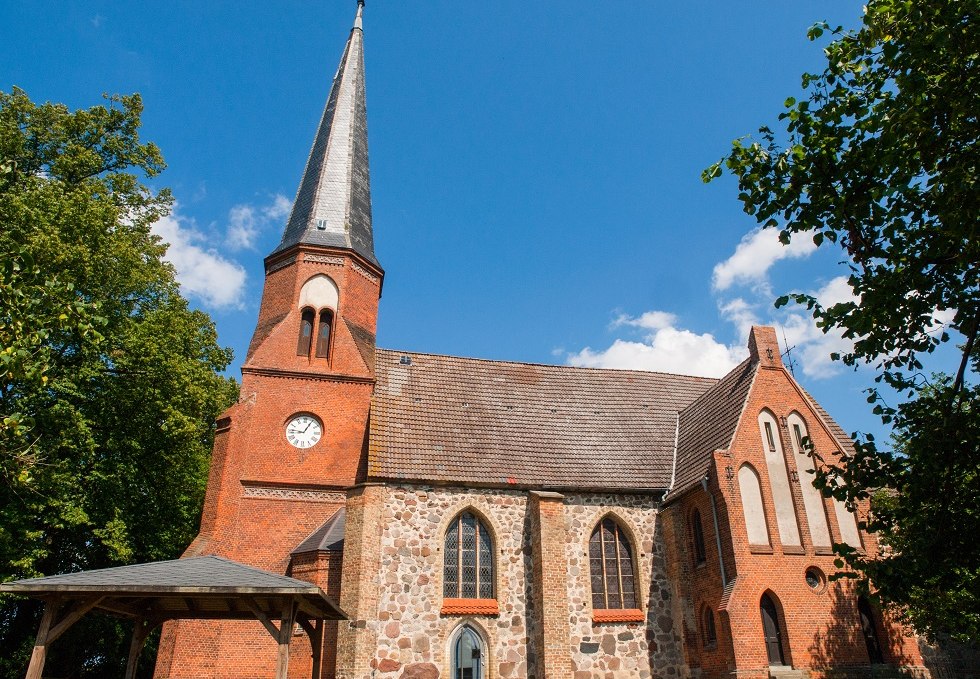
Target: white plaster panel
[
  {"x": 847, "y": 523},
  {"x": 816, "y": 513},
  {"x": 782, "y": 497},
  {"x": 320, "y": 292},
  {"x": 752, "y": 507}
]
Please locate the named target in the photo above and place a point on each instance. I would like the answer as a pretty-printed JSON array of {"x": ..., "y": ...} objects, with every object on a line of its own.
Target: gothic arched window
[
  {"x": 697, "y": 533},
  {"x": 468, "y": 570},
  {"x": 611, "y": 567},
  {"x": 305, "y": 333},
  {"x": 323, "y": 334}
]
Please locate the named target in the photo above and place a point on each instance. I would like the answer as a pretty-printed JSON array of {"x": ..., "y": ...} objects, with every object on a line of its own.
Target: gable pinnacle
[{"x": 333, "y": 203}]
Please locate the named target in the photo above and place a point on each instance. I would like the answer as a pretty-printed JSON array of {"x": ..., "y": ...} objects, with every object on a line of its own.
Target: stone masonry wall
[
  {"x": 413, "y": 635},
  {"x": 617, "y": 650}
]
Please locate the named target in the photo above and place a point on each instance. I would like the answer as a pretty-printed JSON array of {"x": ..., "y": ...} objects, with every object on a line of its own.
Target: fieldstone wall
[
  {"x": 413, "y": 636},
  {"x": 615, "y": 650}
]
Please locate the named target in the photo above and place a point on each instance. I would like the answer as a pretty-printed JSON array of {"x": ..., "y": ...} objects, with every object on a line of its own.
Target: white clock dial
[{"x": 303, "y": 431}]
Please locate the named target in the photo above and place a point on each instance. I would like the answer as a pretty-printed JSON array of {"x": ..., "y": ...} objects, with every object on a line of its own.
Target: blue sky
[{"x": 535, "y": 165}]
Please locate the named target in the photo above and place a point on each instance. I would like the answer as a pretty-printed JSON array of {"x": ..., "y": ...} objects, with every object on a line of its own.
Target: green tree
[
  {"x": 110, "y": 384},
  {"x": 880, "y": 158}
]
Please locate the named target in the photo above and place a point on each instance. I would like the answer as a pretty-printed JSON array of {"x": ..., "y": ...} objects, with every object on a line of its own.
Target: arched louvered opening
[
  {"x": 323, "y": 332},
  {"x": 469, "y": 567},
  {"x": 305, "y": 333},
  {"x": 611, "y": 567}
]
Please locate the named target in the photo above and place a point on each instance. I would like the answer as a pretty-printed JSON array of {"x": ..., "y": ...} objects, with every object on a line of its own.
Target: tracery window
[
  {"x": 468, "y": 570},
  {"x": 611, "y": 567},
  {"x": 697, "y": 533}
]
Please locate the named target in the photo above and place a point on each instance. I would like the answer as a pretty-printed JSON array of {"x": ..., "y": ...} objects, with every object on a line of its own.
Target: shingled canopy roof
[
  {"x": 491, "y": 423},
  {"x": 206, "y": 587}
]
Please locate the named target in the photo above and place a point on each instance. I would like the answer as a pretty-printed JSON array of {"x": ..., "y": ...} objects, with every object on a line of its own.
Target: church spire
[{"x": 333, "y": 204}]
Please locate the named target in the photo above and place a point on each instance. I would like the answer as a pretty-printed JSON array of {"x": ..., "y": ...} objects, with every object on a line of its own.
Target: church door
[
  {"x": 870, "y": 633},
  {"x": 467, "y": 660},
  {"x": 770, "y": 629}
]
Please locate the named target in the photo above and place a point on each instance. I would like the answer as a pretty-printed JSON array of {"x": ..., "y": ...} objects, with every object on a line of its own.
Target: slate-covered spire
[{"x": 333, "y": 204}]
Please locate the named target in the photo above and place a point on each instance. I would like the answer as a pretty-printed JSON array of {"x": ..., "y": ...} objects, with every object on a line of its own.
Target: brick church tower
[{"x": 287, "y": 451}]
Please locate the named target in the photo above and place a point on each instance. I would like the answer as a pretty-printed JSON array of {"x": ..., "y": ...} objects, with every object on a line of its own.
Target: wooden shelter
[{"x": 202, "y": 588}]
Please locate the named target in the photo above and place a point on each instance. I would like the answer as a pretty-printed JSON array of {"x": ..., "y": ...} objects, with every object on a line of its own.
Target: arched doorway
[
  {"x": 870, "y": 631},
  {"x": 467, "y": 652},
  {"x": 770, "y": 630}
]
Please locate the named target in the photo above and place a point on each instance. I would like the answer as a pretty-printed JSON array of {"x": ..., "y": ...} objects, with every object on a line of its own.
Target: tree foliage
[
  {"x": 110, "y": 383},
  {"x": 880, "y": 158}
]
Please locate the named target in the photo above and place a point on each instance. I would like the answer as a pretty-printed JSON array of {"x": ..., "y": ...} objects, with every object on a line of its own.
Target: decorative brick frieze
[
  {"x": 364, "y": 272},
  {"x": 296, "y": 494},
  {"x": 323, "y": 259}
]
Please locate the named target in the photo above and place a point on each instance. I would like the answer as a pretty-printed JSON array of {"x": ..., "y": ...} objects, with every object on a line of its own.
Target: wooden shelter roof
[{"x": 207, "y": 587}]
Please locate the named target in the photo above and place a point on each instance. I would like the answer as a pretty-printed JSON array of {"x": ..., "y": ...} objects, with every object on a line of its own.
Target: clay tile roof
[
  {"x": 709, "y": 424},
  {"x": 464, "y": 420}
]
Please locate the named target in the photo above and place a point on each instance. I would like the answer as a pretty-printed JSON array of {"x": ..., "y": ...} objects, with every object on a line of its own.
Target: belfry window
[
  {"x": 305, "y": 333},
  {"x": 611, "y": 567},
  {"x": 468, "y": 570},
  {"x": 697, "y": 533},
  {"x": 323, "y": 334}
]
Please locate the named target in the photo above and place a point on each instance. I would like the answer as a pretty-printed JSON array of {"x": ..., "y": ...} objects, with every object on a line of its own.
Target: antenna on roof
[{"x": 787, "y": 356}]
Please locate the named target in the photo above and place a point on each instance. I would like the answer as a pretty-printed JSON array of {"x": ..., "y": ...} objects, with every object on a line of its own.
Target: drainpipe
[{"x": 714, "y": 517}]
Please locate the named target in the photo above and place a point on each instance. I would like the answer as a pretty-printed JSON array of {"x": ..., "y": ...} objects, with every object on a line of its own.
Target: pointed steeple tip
[{"x": 358, "y": 20}]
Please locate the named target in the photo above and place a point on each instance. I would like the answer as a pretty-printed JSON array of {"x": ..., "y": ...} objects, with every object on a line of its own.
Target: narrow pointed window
[
  {"x": 698, "y": 534},
  {"x": 468, "y": 571},
  {"x": 710, "y": 635},
  {"x": 305, "y": 333},
  {"x": 323, "y": 334}
]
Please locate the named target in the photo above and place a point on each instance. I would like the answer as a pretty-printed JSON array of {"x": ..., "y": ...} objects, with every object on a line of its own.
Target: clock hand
[{"x": 307, "y": 427}]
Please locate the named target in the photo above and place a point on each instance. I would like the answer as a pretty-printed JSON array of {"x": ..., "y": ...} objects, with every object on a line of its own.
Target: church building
[{"x": 480, "y": 519}]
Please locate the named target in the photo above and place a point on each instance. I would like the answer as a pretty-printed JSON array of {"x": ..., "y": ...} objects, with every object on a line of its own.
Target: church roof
[
  {"x": 333, "y": 203},
  {"x": 447, "y": 419},
  {"x": 709, "y": 424}
]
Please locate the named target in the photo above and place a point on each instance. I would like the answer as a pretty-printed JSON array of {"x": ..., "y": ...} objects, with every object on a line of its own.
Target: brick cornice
[{"x": 298, "y": 374}]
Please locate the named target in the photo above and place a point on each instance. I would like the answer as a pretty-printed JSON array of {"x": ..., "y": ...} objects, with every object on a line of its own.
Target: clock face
[{"x": 303, "y": 431}]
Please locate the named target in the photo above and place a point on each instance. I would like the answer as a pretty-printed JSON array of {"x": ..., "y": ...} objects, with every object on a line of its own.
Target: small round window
[{"x": 815, "y": 579}]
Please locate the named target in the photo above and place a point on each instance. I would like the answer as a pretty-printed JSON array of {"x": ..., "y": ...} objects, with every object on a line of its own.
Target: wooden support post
[
  {"x": 141, "y": 631},
  {"x": 285, "y": 635},
  {"x": 314, "y": 630},
  {"x": 50, "y": 630},
  {"x": 36, "y": 667}
]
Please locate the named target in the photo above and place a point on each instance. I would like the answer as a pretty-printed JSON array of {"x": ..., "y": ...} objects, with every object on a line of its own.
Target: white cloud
[
  {"x": 755, "y": 255},
  {"x": 810, "y": 346},
  {"x": 246, "y": 222},
  {"x": 201, "y": 271},
  {"x": 665, "y": 349}
]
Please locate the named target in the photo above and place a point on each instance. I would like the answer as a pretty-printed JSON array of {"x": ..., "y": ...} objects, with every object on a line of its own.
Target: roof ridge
[{"x": 552, "y": 365}]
